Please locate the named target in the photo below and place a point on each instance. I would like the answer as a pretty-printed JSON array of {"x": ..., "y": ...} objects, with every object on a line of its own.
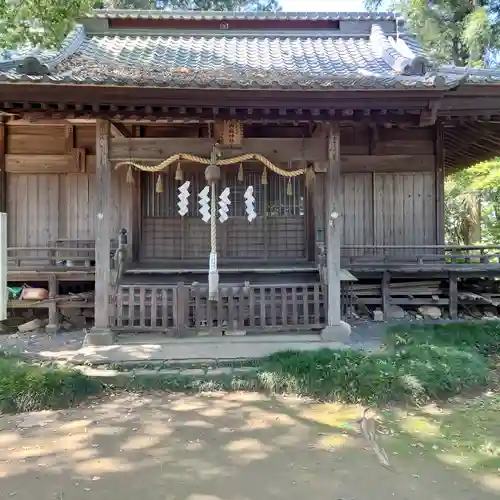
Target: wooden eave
[
  {"x": 118, "y": 102},
  {"x": 471, "y": 101},
  {"x": 470, "y": 142}
]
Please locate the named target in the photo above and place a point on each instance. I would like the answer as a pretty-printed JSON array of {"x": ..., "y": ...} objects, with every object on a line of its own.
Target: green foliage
[
  {"x": 38, "y": 22},
  {"x": 414, "y": 374},
  {"x": 25, "y": 387},
  {"x": 482, "y": 337},
  {"x": 473, "y": 204},
  {"x": 462, "y": 32},
  {"x": 46, "y": 22}
]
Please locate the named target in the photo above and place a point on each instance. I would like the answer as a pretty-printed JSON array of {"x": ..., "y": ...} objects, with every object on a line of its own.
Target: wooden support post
[
  {"x": 453, "y": 296},
  {"x": 439, "y": 183},
  {"x": 386, "y": 293},
  {"x": 3, "y": 173},
  {"x": 4, "y": 293},
  {"x": 335, "y": 329},
  {"x": 101, "y": 333},
  {"x": 53, "y": 325},
  {"x": 181, "y": 307}
]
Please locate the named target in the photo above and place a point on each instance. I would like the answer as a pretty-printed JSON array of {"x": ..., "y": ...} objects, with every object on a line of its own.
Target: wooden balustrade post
[
  {"x": 335, "y": 329},
  {"x": 453, "y": 296},
  {"x": 101, "y": 333}
]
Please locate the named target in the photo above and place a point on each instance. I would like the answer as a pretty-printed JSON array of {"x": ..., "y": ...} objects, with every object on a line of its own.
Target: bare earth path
[{"x": 209, "y": 447}]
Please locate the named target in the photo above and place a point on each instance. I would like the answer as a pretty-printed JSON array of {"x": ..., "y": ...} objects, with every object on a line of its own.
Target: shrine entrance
[{"x": 278, "y": 233}]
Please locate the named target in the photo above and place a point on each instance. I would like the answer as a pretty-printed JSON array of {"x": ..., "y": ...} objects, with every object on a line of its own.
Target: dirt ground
[{"x": 212, "y": 447}]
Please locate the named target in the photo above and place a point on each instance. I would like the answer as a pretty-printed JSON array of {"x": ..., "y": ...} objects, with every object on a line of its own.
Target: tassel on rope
[
  {"x": 263, "y": 180},
  {"x": 179, "y": 176},
  {"x": 240, "y": 173},
  {"x": 130, "y": 176},
  {"x": 159, "y": 184},
  {"x": 289, "y": 190},
  {"x": 310, "y": 177}
]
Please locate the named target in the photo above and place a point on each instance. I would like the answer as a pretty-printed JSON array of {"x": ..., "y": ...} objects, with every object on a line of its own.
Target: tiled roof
[
  {"x": 227, "y": 16},
  {"x": 235, "y": 59}
]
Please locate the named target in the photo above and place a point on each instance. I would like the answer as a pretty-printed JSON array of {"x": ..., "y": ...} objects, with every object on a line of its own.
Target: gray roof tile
[
  {"x": 236, "y": 59},
  {"x": 220, "y": 15}
]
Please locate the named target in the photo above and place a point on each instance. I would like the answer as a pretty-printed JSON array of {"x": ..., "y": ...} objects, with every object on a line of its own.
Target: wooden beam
[
  {"x": 158, "y": 149},
  {"x": 118, "y": 129},
  {"x": 428, "y": 116},
  {"x": 101, "y": 333}
]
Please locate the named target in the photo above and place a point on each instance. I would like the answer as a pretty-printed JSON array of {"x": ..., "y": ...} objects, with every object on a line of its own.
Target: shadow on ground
[{"x": 211, "y": 447}]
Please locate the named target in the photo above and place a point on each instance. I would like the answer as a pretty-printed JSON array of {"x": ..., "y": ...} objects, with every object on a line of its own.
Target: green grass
[
  {"x": 415, "y": 374},
  {"x": 480, "y": 336},
  {"x": 421, "y": 364},
  {"x": 30, "y": 387}
]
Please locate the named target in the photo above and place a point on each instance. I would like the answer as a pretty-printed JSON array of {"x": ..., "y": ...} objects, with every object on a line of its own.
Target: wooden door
[{"x": 278, "y": 233}]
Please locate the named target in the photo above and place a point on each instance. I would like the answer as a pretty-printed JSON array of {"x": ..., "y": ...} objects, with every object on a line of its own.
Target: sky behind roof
[{"x": 322, "y": 5}]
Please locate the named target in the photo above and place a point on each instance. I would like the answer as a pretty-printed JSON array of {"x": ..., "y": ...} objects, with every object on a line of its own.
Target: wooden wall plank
[
  {"x": 47, "y": 207},
  {"x": 33, "y": 205},
  {"x": 46, "y": 164},
  {"x": 431, "y": 236},
  {"x": 404, "y": 212},
  {"x": 37, "y": 139},
  {"x": 388, "y": 163}
]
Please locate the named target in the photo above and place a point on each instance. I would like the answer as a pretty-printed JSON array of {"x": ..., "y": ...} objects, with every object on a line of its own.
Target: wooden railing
[
  {"x": 62, "y": 254},
  {"x": 239, "y": 308},
  {"x": 31, "y": 257},
  {"x": 424, "y": 255}
]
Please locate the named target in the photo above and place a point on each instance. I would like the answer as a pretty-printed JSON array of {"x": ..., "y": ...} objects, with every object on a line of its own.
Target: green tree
[
  {"x": 38, "y": 21},
  {"x": 46, "y": 22},
  {"x": 473, "y": 202},
  {"x": 460, "y": 32}
]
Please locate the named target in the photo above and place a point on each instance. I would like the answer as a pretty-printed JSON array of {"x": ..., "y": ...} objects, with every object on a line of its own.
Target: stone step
[{"x": 179, "y": 378}]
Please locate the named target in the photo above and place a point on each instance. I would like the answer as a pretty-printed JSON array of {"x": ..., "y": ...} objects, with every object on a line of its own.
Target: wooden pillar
[
  {"x": 335, "y": 329},
  {"x": 101, "y": 333},
  {"x": 4, "y": 295},
  {"x": 439, "y": 183},
  {"x": 53, "y": 325},
  {"x": 3, "y": 173}
]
